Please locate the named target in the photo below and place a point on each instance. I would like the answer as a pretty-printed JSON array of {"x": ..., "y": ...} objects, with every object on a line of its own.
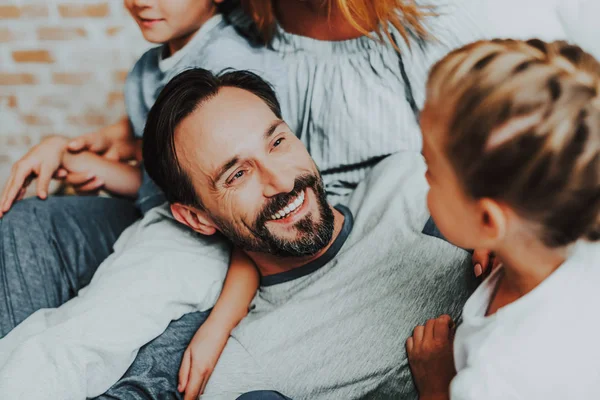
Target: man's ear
[
  {"x": 196, "y": 219},
  {"x": 493, "y": 220}
]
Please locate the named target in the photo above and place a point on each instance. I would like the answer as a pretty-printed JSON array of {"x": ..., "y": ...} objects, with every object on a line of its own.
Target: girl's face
[
  {"x": 457, "y": 216},
  {"x": 164, "y": 21}
]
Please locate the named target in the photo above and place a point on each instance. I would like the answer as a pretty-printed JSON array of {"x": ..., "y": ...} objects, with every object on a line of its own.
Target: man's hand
[
  {"x": 200, "y": 358},
  {"x": 42, "y": 161},
  {"x": 430, "y": 358}
]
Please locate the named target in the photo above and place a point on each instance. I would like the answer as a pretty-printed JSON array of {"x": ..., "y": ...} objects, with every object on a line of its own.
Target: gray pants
[{"x": 51, "y": 249}]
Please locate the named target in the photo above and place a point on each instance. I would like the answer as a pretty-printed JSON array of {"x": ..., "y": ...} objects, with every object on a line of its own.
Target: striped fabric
[{"x": 350, "y": 101}]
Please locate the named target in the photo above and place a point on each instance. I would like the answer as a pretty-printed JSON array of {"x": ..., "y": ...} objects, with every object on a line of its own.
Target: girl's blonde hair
[
  {"x": 366, "y": 16},
  {"x": 523, "y": 127}
]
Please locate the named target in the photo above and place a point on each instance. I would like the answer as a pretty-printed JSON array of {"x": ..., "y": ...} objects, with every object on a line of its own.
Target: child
[
  {"x": 512, "y": 144},
  {"x": 159, "y": 270}
]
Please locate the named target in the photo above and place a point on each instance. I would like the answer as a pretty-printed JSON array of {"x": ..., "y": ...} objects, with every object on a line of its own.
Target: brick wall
[{"x": 62, "y": 68}]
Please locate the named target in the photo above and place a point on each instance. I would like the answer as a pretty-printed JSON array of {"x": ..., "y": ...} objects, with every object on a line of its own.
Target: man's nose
[
  {"x": 143, "y": 3},
  {"x": 277, "y": 181}
]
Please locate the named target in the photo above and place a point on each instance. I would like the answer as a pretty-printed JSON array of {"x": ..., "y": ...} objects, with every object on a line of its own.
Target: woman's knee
[{"x": 23, "y": 217}]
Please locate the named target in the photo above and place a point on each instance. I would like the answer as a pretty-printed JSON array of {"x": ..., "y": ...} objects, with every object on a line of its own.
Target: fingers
[
  {"x": 481, "y": 260},
  {"x": 92, "y": 186},
  {"x": 418, "y": 335},
  {"x": 16, "y": 182},
  {"x": 203, "y": 387},
  {"x": 43, "y": 181},
  {"x": 92, "y": 142},
  {"x": 77, "y": 144},
  {"x": 79, "y": 178},
  {"x": 21, "y": 194},
  {"x": 410, "y": 344},
  {"x": 441, "y": 329},
  {"x": 61, "y": 173},
  {"x": 428, "y": 331},
  {"x": 195, "y": 382},
  {"x": 112, "y": 154},
  {"x": 184, "y": 371}
]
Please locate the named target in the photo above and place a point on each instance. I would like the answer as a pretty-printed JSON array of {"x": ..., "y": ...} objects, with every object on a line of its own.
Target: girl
[{"x": 512, "y": 144}]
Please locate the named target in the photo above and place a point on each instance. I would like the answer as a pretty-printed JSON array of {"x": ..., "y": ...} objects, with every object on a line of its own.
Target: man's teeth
[{"x": 294, "y": 204}]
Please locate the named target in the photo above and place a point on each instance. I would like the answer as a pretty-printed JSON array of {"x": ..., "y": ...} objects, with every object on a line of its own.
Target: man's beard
[{"x": 312, "y": 236}]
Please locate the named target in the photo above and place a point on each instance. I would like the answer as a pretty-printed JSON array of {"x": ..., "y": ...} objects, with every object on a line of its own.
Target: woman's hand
[
  {"x": 42, "y": 161},
  {"x": 114, "y": 143},
  {"x": 200, "y": 358},
  {"x": 431, "y": 359}
]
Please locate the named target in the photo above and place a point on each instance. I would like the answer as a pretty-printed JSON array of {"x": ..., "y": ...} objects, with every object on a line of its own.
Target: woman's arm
[
  {"x": 114, "y": 142},
  {"x": 116, "y": 177},
  {"x": 205, "y": 348}
]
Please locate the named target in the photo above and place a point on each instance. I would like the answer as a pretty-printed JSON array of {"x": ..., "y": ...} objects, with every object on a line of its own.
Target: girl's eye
[{"x": 277, "y": 142}]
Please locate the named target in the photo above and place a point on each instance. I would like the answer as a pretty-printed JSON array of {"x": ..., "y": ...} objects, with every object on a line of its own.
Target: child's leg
[
  {"x": 50, "y": 249},
  {"x": 160, "y": 271}
]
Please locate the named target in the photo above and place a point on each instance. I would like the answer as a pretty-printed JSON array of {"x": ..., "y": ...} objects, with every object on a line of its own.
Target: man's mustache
[{"x": 278, "y": 202}]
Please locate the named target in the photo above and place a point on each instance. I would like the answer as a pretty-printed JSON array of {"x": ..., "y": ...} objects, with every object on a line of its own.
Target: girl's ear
[
  {"x": 493, "y": 221},
  {"x": 196, "y": 219}
]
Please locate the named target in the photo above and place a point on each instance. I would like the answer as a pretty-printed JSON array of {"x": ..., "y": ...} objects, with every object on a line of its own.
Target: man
[{"x": 341, "y": 287}]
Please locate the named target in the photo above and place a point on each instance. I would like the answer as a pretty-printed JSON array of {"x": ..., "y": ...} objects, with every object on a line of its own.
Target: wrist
[
  {"x": 218, "y": 327},
  {"x": 58, "y": 142},
  {"x": 57, "y": 139}
]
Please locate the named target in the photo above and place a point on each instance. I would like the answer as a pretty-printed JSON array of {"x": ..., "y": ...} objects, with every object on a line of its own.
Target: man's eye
[{"x": 236, "y": 176}]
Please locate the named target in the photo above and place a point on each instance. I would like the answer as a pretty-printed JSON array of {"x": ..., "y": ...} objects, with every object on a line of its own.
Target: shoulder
[
  {"x": 148, "y": 61},
  {"x": 232, "y": 49}
]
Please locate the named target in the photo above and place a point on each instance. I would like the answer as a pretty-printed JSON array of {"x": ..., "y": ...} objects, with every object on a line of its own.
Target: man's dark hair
[{"x": 179, "y": 98}]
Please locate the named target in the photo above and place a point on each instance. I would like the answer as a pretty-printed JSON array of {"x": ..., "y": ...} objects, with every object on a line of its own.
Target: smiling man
[
  {"x": 263, "y": 192},
  {"x": 341, "y": 287}
]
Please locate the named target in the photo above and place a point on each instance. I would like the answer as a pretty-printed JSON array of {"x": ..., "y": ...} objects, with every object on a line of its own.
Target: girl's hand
[
  {"x": 42, "y": 161},
  {"x": 484, "y": 262},
  {"x": 430, "y": 357},
  {"x": 200, "y": 358}
]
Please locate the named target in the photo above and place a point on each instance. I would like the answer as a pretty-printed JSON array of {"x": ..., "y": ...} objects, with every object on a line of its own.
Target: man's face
[{"x": 257, "y": 182}]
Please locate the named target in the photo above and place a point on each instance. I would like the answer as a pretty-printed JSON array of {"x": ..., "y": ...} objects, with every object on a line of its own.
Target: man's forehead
[
  {"x": 222, "y": 127},
  {"x": 232, "y": 112}
]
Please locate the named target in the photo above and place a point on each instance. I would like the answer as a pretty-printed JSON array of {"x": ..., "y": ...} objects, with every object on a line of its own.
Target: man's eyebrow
[
  {"x": 226, "y": 167},
  {"x": 273, "y": 127},
  {"x": 235, "y": 159}
]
